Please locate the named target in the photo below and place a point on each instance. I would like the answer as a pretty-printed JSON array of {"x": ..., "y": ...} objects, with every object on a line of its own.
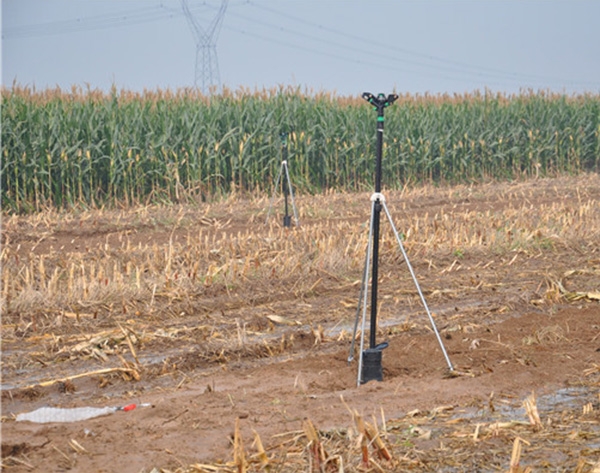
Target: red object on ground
[{"x": 129, "y": 407}]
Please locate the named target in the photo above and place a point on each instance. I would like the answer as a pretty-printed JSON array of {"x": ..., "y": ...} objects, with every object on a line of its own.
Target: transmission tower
[{"x": 207, "y": 66}]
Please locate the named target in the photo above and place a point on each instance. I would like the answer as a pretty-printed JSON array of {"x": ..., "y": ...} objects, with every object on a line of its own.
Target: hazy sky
[{"x": 343, "y": 46}]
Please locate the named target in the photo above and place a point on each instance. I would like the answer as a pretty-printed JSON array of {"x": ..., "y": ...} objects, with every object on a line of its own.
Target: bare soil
[{"x": 514, "y": 322}]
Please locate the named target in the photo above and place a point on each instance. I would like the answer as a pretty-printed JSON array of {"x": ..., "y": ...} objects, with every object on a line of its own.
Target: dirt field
[{"x": 510, "y": 271}]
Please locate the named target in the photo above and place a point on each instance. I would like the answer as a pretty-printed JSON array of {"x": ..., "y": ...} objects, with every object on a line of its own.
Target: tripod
[
  {"x": 369, "y": 366},
  {"x": 287, "y": 187}
]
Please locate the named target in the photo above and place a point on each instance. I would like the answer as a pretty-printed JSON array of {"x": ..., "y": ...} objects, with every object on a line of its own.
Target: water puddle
[{"x": 573, "y": 398}]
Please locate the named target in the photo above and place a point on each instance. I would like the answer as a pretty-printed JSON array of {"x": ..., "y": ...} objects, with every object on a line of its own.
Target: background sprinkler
[
  {"x": 287, "y": 219},
  {"x": 286, "y": 185},
  {"x": 370, "y": 360}
]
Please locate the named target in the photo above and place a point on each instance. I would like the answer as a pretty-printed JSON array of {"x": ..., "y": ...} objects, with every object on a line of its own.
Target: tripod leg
[
  {"x": 363, "y": 287},
  {"x": 289, "y": 182},
  {"x": 439, "y": 339},
  {"x": 365, "y": 294},
  {"x": 274, "y": 192}
]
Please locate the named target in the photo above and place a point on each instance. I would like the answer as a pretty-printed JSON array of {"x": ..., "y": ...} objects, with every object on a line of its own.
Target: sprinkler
[
  {"x": 285, "y": 184},
  {"x": 370, "y": 361},
  {"x": 372, "y": 369},
  {"x": 287, "y": 219}
]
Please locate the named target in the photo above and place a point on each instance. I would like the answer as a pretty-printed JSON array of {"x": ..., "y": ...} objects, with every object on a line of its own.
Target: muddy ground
[{"x": 514, "y": 321}]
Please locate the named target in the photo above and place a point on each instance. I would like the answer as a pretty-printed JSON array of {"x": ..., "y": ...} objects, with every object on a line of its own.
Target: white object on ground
[{"x": 56, "y": 414}]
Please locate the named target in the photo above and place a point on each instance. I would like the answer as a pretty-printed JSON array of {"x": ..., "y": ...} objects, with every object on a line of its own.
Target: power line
[
  {"x": 392, "y": 62},
  {"x": 385, "y": 66},
  {"x": 96, "y": 22},
  {"x": 99, "y": 22},
  {"x": 447, "y": 65},
  {"x": 380, "y": 55}
]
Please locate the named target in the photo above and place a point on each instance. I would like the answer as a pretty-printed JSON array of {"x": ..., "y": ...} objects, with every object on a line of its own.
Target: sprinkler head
[
  {"x": 391, "y": 98},
  {"x": 368, "y": 96},
  {"x": 380, "y": 101}
]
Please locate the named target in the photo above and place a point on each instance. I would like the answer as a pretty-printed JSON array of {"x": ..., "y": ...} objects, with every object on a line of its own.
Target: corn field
[{"x": 88, "y": 148}]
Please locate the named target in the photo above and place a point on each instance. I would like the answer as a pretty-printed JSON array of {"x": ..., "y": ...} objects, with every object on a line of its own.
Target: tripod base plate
[{"x": 371, "y": 368}]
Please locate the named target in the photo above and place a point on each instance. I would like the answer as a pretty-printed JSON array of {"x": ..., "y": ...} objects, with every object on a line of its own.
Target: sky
[{"x": 345, "y": 47}]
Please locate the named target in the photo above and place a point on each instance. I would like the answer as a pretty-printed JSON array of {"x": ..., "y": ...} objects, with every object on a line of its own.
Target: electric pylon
[{"x": 207, "y": 66}]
